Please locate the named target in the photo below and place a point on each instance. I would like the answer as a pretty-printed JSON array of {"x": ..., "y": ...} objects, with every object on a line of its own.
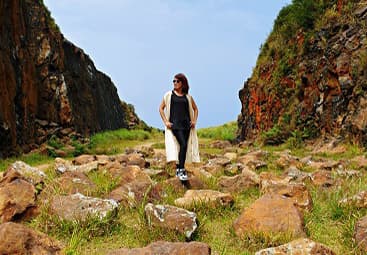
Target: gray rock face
[
  {"x": 80, "y": 207},
  {"x": 171, "y": 217}
]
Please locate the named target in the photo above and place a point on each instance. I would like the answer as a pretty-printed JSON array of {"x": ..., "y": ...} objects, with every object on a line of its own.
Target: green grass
[
  {"x": 327, "y": 223},
  {"x": 31, "y": 159},
  {"x": 224, "y": 132}
]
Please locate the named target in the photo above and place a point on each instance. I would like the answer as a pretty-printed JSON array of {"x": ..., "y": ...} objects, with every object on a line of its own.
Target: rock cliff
[
  {"x": 49, "y": 86},
  {"x": 310, "y": 78}
]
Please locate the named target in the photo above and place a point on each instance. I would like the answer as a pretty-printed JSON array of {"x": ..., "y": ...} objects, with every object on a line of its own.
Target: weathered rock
[
  {"x": 321, "y": 164},
  {"x": 51, "y": 81},
  {"x": 156, "y": 173},
  {"x": 62, "y": 166},
  {"x": 213, "y": 169},
  {"x": 70, "y": 183},
  {"x": 131, "y": 159},
  {"x": 360, "y": 233},
  {"x": 84, "y": 159},
  {"x": 201, "y": 173},
  {"x": 79, "y": 207},
  {"x": 19, "y": 239},
  {"x": 253, "y": 159},
  {"x": 268, "y": 179},
  {"x": 293, "y": 174},
  {"x": 302, "y": 246},
  {"x": 359, "y": 200},
  {"x": 360, "y": 162},
  {"x": 204, "y": 197},
  {"x": 131, "y": 193},
  {"x": 31, "y": 174},
  {"x": 239, "y": 182},
  {"x": 322, "y": 178},
  {"x": 179, "y": 186},
  {"x": 172, "y": 218},
  {"x": 286, "y": 160},
  {"x": 270, "y": 214},
  {"x": 230, "y": 155},
  {"x": 167, "y": 248},
  {"x": 298, "y": 193},
  {"x": 16, "y": 195},
  {"x": 220, "y": 144},
  {"x": 221, "y": 161}
]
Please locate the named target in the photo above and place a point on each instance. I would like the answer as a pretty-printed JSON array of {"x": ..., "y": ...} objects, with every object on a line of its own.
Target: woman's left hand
[{"x": 192, "y": 124}]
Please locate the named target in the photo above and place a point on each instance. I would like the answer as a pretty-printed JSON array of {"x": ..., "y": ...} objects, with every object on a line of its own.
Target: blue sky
[{"x": 142, "y": 44}]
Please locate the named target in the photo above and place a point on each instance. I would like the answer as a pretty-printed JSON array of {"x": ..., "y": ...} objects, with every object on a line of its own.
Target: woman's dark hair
[{"x": 185, "y": 84}]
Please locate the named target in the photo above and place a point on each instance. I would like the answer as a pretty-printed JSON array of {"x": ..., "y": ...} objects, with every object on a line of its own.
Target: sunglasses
[{"x": 176, "y": 81}]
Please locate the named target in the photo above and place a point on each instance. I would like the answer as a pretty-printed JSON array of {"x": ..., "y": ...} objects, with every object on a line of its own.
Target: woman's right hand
[{"x": 168, "y": 124}]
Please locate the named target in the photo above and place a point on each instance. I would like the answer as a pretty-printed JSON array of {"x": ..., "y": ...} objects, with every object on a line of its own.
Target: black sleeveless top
[{"x": 179, "y": 112}]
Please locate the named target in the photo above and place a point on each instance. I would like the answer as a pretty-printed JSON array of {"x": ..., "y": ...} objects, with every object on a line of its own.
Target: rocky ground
[{"x": 252, "y": 200}]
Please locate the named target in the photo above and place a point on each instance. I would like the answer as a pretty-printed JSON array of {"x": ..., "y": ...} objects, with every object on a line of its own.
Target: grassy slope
[{"x": 326, "y": 223}]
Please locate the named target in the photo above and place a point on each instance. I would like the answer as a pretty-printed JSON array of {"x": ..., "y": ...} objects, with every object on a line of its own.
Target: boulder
[
  {"x": 301, "y": 246},
  {"x": 172, "y": 218},
  {"x": 240, "y": 182},
  {"x": 360, "y": 233},
  {"x": 19, "y": 239},
  {"x": 79, "y": 207},
  {"x": 204, "y": 197},
  {"x": 359, "y": 200},
  {"x": 62, "y": 166},
  {"x": 322, "y": 178},
  {"x": 167, "y": 248},
  {"x": 31, "y": 174},
  {"x": 297, "y": 192},
  {"x": 16, "y": 195},
  {"x": 84, "y": 159},
  {"x": 192, "y": 183},
  {"x": 270, "y": 214}
]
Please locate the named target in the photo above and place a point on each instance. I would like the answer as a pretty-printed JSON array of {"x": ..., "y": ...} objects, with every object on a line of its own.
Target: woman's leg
[{"x": 182, "y": 137}]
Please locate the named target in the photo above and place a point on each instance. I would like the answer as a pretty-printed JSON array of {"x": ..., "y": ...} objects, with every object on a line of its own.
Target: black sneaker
[{"x": 182, "y": 175}]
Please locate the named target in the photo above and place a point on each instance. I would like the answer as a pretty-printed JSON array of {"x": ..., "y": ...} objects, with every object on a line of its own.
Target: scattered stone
[
  {"x": 31, "y": 174},
  {"x": 62, "y": 165},
  {"x": 360, "y": 162},
  {"x": 204, "y": 197},
  {"x": 286, "y": 160},
  {"x": 19, "y": 239},
  {"x": 172, "y": 218},
  {"x": 302, "y": 246},
  {"x": 230, "y": 155},
  {"x": 167, "y": 248},
  {"x": 298, "y": 193},
  {"x": 201, "y": 173},
  {"x": 132, "y": 159},
  {"x": 84, "y": 159},
  {"x": 221, "y": 161},
  {"x": 16, "y": 195},
  {"x": 79, "y": 207},
  {"x": 239, "y": 183},
  {"x": 193, "y": 183},
  {"x": 220, "y": 144},
  {"x": 293, "y": 174},
  {"x": 270, "y": 214},
  {"x": 360, "y": 233},
  {"x": 359, "y": 200},
  {"x": 70, "y": 183},
  {"x": 320, "y": 164},
  {"x": 270, "y": 179},
  {"x": 322, "y": 178},
  {"x": 233, "y": 169},
  {"x": 156, "y": 173},
  {"x": 131, "y": 193}
]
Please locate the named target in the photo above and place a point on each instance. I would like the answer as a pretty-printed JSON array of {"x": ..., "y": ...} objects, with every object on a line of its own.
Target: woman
[{"x": 179, "y": 113}]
